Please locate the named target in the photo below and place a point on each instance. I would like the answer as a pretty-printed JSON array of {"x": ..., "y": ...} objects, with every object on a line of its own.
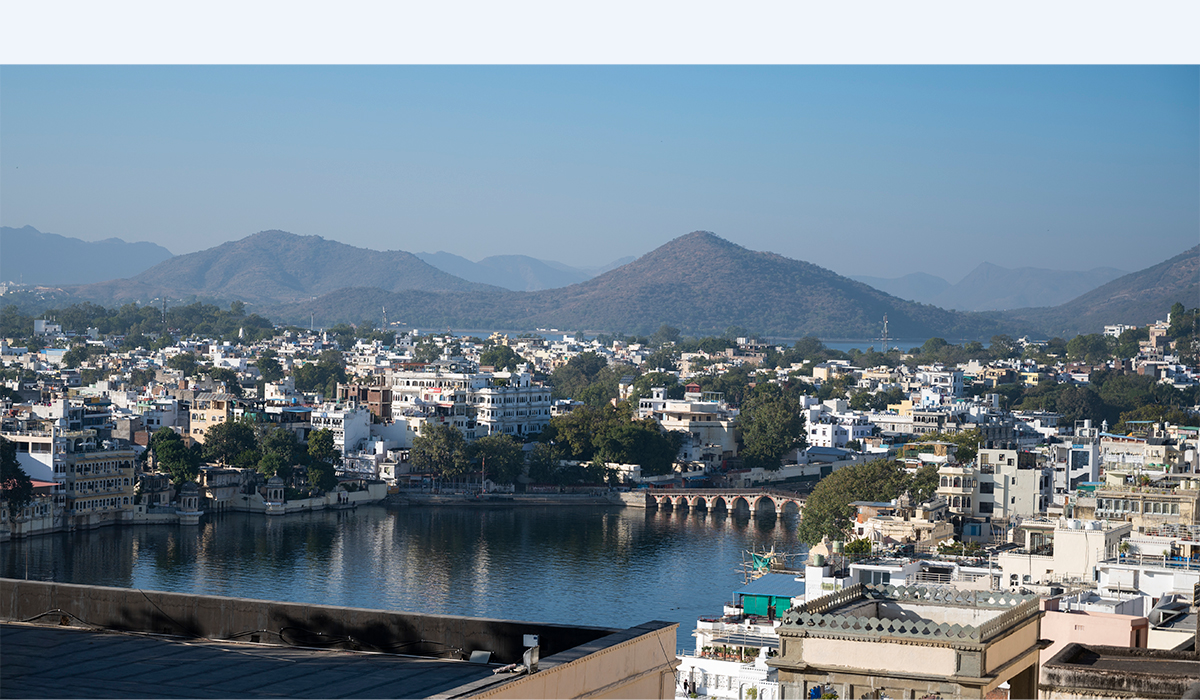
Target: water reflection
[{"x": 586, "y": 566}]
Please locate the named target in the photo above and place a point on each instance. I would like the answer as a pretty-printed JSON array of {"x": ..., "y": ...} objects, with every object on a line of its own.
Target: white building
[
  {"x": 351, "y": 426},
  {"x": 704, "y": 418}
]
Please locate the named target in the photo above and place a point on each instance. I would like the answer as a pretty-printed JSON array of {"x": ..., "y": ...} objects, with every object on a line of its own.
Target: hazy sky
[{"x": 864, "y": 170}]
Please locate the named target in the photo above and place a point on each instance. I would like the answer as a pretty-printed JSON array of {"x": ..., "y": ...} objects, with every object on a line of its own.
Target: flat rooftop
[{"x": 50, "y": 662}]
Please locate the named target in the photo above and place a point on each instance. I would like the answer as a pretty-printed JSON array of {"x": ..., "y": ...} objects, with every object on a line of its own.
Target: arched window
[
  {"x": 955, "y": 503},
  {"x": 957, "y": 482}
]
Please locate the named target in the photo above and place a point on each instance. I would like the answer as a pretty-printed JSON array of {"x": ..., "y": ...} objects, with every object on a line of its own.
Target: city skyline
[{"x": 876, "y": 170}]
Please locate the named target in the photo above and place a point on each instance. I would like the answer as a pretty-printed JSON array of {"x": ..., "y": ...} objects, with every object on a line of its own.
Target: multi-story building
[
  {"x": 704, "y": 418},
  {"x": 1002, "y": 483},
  {"x": 350, "y": 425},
  {"x": 209, "y": 409},
  {"x": 477, "y": 403}
]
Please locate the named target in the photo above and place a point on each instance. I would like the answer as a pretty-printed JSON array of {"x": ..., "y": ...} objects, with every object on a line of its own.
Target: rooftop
[{"x": 54, "y": 662}]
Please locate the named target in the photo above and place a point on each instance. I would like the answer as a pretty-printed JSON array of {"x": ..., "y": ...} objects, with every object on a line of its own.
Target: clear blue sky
[{"x": 864, "y": 170}]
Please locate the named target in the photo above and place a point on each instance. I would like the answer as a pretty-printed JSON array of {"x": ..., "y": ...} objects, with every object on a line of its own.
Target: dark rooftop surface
[{"x": 48, "y": 662}]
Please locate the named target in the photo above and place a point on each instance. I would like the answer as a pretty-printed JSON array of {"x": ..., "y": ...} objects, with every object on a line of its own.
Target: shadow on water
[{"x": 595, "y": 565}]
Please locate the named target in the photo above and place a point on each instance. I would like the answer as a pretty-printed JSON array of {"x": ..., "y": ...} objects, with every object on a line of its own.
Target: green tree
[
  {"x": 967, "y": 442},
  {"x": 175, "y": 458},
  {"x": 639, "y": 442},
  {"x": 771, "y": 427},
  {"x": 15, "y": 486},
  {"x": 499, "y": 457},
  {"x": 543, "y": 464},
  {"x": 280, "y": 442},
  {"x": 229, "y": 377},
  {"x": 226, "y": 442},
  {"x": 184, "y": 362},
  {"x": 827, "y": 510},
  {"x": 859, "y": 546},
  {"x": 269, "y": 465},
  {"x": 269, "y": 367},
  {"x": 501, "y": 357},
  {"x": 441, "y": 449},
  {"x": 322, "y": 476},
  {"x": 321, "y": 447}
]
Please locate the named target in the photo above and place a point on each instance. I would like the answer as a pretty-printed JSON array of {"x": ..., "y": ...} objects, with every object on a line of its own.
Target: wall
[
  {"x": 215, "y": 617},
  {"x": 1092, "y": 628}
]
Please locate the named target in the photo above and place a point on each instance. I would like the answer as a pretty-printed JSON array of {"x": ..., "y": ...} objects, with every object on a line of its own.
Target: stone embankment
[{"x": 408, "y": 500}]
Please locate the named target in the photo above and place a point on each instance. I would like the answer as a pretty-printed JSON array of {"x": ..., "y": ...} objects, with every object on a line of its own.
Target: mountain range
[
  {"x": 518, "y": 273},
  {"x": 1137, "y": 299},
  {"x": 33, "y": 257},
  {"x": 699, "y": 282},
  {"x": 273, "y": 267},
  {"x": 993, "y": 288}
]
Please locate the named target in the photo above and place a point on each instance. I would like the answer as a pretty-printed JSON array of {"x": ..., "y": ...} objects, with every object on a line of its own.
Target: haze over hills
[
  {"x": 1137, "y": 298},
  {"x": 698, "y": 282},
  {"x": 30, "y": 256},
  {"x": 513, "y": 272},
  {"x": 273, "y": 267},
  {"x": 993, "y": 288}
]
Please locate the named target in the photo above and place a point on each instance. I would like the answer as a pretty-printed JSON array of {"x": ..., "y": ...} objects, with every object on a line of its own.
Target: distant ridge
[
  {"x": 30, "y": 256},
  {"x": 698, "y": 282},
  {"x": 513, "y": 272},
  {"x": 1137, "y": 298},
  {"x": 273, "y": 267},
  {"x": 994, "y": 288}
]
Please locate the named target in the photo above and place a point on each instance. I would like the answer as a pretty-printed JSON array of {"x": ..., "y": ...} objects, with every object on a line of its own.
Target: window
[{"x": 987, "y": 487}]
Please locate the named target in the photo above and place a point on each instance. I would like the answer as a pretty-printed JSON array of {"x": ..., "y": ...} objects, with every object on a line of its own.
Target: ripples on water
[{"x": 598, "y": 566}]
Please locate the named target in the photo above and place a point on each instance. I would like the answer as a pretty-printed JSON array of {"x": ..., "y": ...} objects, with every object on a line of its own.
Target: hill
[
  {"x": 699, "y": 282},
  {"x": 992, "y": 288},
  {"x": 1137, "y": 298},
  {"x": 33, "y": 257},
  {"x": 513, "y": 272},
  {"x": 915, "y": 286},
  {"x": 275, "y": 267}
]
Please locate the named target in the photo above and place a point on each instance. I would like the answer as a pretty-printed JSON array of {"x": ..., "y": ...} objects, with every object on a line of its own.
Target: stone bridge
[{"x": 755, "y": 501}]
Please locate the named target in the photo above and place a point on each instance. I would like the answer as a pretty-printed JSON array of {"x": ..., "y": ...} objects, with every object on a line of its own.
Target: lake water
[{"x": 603, "y": 566}]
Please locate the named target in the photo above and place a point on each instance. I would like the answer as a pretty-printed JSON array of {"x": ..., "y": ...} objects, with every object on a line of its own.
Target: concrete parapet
[{"x": 274, "y": 622}]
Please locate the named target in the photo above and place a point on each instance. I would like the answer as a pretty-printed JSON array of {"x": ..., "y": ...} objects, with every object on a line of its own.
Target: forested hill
[
  {"x": 30, "y": 256},
  {"x": 275, "y": 267},
  {"x": 698, "y": 282},
  {"x": 1137, "y": 298}
]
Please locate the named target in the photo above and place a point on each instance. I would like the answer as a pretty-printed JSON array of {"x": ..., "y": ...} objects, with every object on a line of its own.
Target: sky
[{"x": 866, "y": 170}]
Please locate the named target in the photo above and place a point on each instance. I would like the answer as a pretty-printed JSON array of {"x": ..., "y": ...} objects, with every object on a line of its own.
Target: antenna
[
  {"x": 885, "y": 334},
  {"x": 164, "y": 312}
]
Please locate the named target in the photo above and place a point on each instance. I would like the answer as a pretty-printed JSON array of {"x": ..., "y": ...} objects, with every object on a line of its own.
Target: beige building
[
  {"x": 209, "y": 409},
  {"x": 871, "y": 641}
]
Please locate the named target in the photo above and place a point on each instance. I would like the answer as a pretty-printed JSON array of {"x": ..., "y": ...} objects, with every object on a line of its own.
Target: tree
[
  {"x": 543, "y": 463},
  {"x": 322, "y": 476},
  {"x": 269, "y": 465},
  {"x": 441, "y": 449},
  {"x": 501, "y": 357},
  {"x": 229, "y": 377},
  {"x": 321, "y": 447},
  {"x": 642, "y": 443},
  {"x": 15, "y": 486},
  {"x": 227, "y": 442},
  {"x": 859, "y": 546},
  {"x": 499, "y": 456},
  {"x": 269, "y": 367},
  {"x": 967, "y": 442},
  {"x": 175, "y": 458},
  {"x": 184, "y": 362},
  {"x": 280, "y": 442},
  {"x": 771, "y": 427},
  {"x": 827, "y": 510}
]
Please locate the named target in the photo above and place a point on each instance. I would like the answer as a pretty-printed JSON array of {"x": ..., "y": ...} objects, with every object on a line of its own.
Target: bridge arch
[
  {"x": 699, "y": 503},
  {"x": 789, "y": 507}
]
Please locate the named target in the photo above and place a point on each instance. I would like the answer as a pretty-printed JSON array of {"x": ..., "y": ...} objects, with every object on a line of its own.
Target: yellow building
[{"x": 209, "y": 409}]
